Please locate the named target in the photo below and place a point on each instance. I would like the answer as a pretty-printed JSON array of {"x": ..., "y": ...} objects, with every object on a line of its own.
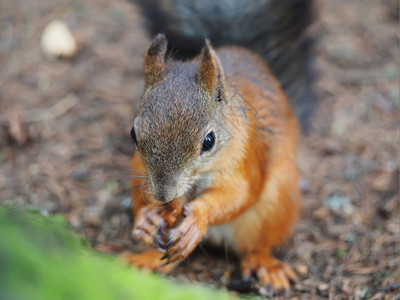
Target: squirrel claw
[
  {"x": 159, "y": 244},
  {"x": 164, "y": 264},
  {"x": 162, "y": 231},
  {"x": 168, "y": 243},
  {"x": 165, "y": 256},
  {"x": 158, "y": 241}
]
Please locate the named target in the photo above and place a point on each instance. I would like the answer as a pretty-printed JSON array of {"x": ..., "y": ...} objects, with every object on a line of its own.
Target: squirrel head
[{"x": 180, "y": 129}]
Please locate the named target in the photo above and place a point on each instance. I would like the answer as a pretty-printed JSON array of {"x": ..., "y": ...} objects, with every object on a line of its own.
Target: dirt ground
[{"x": 65, "y": 145}]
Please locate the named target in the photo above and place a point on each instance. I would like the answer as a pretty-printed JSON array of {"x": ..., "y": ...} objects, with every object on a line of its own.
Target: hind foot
[{"x": 273, "y": 273}]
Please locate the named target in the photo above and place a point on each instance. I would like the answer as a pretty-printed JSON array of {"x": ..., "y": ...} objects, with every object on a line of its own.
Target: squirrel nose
[
  {"x": 163, "y": 190},
  {"x": 163, "y": 197},
  {"x": 164, "y": 194}
]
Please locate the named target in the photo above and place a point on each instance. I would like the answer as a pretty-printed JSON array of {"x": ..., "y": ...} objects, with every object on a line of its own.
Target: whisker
[
  {"x": 137, "y": 177},
  {"x": 120, "y": 175},
  {"x": 138, "y": 188},
  {"x": 107, "y": 177},
  {"x": 137, "y": 171}
]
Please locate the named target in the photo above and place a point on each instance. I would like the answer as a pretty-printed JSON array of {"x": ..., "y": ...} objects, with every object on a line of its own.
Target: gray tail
[{"x": 275, "y": 29}]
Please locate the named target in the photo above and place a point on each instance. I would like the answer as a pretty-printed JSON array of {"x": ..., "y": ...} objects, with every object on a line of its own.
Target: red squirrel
[
  {"x": 215, "y": 132},
  {"x": 216, "y": 140}
]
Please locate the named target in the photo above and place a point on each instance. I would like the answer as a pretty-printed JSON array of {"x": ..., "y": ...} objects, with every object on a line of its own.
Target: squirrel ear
[
  {"x": 154, "y": 59},
  {"x": 210, "y": 73}
]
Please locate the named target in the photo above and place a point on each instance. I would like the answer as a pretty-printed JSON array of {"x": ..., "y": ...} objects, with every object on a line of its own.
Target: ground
[{"x": 65, "y": 145}]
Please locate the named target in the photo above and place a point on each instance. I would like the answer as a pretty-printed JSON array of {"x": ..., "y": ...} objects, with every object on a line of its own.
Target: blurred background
[{"x": 65, "y": 144}]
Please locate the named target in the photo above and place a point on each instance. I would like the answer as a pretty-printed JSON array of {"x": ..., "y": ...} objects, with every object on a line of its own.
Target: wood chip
[
  {"x": 52, "y": 112},
  {"x": 383, "y": 182},
  {"x": 17, "y": 130},
  {"x": 356, "y": 270},
  {"x": 302, "y": 269}
]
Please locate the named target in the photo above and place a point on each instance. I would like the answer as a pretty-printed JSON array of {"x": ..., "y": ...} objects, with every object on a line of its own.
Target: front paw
[
  {"x": 150, "y": 228},
  {"x": 184, "y": 238}
]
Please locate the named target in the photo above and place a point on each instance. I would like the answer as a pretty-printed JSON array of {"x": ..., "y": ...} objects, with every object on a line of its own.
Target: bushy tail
[{"x": 275, "y": 29}]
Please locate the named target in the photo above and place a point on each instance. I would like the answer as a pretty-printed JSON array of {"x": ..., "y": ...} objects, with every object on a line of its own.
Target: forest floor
[{"x": 65, "y": 144}]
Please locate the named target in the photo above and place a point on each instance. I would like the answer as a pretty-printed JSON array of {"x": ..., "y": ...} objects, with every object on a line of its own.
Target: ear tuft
[
  {"x": 210, "y": 74},
  {"x": 154, "y": 59}
]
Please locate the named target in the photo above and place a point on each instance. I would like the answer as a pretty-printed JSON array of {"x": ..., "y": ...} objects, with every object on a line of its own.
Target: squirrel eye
[
  {"x": 208, "y": 142},
  {"x": 133, "y": 135}
]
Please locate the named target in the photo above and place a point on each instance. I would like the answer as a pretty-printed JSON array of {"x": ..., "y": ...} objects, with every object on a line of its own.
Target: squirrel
[{"x": 216, "y": 139}]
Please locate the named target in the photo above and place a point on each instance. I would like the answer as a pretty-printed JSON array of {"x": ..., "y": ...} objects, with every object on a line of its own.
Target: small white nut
[{"x": 58, "y": 41}]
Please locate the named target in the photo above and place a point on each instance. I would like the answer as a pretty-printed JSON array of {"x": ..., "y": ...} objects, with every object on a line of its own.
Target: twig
[{"x": 52, "y": 112}]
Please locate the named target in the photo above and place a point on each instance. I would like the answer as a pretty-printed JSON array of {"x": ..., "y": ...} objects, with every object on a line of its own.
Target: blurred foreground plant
[{"x": 42, "y": 258}]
